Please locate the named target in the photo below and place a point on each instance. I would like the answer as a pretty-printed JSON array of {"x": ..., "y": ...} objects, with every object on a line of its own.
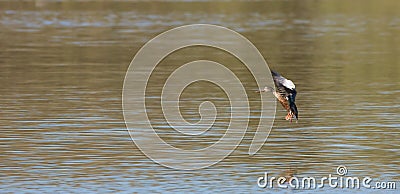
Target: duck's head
[{"x": 293, "y": 107}]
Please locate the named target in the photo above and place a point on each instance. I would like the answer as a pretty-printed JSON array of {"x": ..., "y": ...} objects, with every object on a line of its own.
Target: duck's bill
[
  {"x": 259, "y": 91},
  {"x": 266, "y": 89}
]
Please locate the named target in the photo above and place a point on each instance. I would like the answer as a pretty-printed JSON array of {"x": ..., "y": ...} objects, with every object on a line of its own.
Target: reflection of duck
[
  {"x": 285, "y": 93},
  {"x": 290, "y": 173}
]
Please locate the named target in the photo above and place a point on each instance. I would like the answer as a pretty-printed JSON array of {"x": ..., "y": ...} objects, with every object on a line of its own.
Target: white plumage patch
[{"x": 289, "y": 84}]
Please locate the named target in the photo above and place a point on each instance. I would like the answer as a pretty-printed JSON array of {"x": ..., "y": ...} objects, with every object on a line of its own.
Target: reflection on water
[{"x": 63, "y": 64}]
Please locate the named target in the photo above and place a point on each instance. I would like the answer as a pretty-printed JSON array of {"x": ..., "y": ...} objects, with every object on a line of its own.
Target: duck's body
[{"x": 285, "y": 93}]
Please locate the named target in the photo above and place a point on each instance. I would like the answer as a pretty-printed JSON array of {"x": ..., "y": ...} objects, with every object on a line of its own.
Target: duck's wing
[{"x": 283, "y": 86}]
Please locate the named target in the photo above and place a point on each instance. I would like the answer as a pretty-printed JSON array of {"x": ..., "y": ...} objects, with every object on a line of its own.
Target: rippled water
[{"x": 63, "y": 65}]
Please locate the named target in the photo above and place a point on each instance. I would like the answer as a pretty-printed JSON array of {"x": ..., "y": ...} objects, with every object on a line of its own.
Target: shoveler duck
[{"x": 285, "y": 93}]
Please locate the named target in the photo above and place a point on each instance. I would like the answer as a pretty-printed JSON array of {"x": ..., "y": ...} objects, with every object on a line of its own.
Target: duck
[{"x": 285, "y": 93}]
